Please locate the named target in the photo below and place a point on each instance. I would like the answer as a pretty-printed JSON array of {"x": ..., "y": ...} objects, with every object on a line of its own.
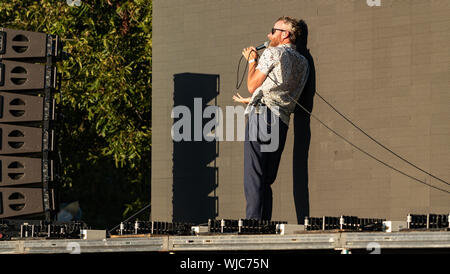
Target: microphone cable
[{"x": 238, "y": 85}]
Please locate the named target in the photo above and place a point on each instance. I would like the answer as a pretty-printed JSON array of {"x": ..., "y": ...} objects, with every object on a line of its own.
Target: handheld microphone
[{"x": 263, "y": 46}]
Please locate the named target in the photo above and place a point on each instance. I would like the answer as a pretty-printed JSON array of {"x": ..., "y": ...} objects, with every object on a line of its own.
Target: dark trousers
[{"x": 260, "y": 168}]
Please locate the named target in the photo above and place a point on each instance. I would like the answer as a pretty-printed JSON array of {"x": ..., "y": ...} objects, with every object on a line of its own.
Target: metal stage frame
[{"x": 308, "y": 241}]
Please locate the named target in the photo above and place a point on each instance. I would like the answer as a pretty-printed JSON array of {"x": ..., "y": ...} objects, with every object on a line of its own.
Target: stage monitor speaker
[
  {"x": 17, "y": 76},
  {"x": 18, "y": 171},
  {"x": 20, "y": 108},
  {"x": 20, "y": 139},
  {"x": 20, "y": 201},
  {"x": 15, "y": 44}
]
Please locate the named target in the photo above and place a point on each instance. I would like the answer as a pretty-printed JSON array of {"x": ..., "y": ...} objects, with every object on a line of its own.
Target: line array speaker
[
  {"x": 28, "y": 80},
  {"x": 19, "y": 76},
  {"x": 34, "y": 46},
  {"x": 21, "y": 108},
  {"x": 20, "y": 139},
  {"x": 20, "y": 201},
  {"x": 18, "y": 171}
]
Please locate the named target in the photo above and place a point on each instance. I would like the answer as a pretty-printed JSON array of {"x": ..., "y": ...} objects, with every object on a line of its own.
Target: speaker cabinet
[
  {"x": 20, "y": 139},
  {"x": 20, "y": 201},
  {"x": 19, "y": 76},
  {"x": 20, "y": 108},
  {"x": 18, "y": 171},
  {"x": 16, "y": 44},
  {"x": 28, "y": 81}
]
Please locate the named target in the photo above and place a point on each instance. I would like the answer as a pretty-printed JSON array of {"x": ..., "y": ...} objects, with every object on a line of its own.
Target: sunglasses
[{"x": 274, "y": 30}]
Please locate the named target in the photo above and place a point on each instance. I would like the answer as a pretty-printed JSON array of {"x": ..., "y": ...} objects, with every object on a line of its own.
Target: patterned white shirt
[{"x": 287, "y": 71}]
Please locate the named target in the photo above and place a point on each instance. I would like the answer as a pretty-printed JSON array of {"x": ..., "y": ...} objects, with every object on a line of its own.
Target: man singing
[{"x": 275, "y": 80}]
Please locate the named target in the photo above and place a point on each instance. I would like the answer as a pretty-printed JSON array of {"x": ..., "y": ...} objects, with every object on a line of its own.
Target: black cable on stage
[
  {"x": 238, "y": 85},
  {"x": 131, "y": 217},
  {"x": 380, "y": 144},
  {"x": 365, "y": 152}
]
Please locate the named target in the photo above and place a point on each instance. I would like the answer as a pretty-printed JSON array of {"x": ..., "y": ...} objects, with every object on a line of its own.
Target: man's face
[{"x": 278, "y": 35}]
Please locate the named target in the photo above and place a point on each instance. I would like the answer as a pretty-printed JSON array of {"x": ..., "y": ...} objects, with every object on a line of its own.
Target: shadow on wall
[
  {"x": 195, "y": 174},
  {"x": 302, "y": 133}
]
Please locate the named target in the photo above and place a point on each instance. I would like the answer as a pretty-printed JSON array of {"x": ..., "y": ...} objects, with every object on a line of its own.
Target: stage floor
[{"x": 312, "y": 241}]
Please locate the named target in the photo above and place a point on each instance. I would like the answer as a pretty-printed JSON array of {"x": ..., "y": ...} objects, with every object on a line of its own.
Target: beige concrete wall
[{"x": 387, "y": 68}]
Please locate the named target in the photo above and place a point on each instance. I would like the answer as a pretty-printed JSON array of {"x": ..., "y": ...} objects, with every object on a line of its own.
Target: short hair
[{"x": 296, "y": 27}]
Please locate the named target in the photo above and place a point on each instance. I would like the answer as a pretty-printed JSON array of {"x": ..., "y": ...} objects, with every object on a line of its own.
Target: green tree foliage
[{"x": 104, "y": 132}]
